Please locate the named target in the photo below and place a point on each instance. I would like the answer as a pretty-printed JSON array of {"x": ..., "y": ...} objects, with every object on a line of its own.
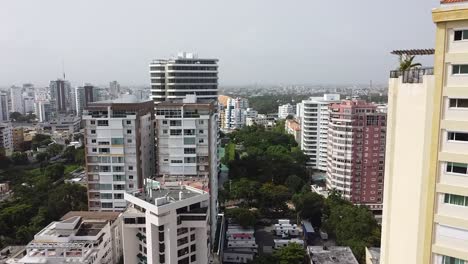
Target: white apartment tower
[
  {"x": 285, "y": 110},
  {"x": 172, "y": 79},
  {"x": 187, "y": 145},
  {"x": 17, "y": 103},
  {"x": 314, "y": 126},
  {"x": 119, "y": 145},
  {"x": 235, "y": 113},
  {"x": 167, "y": 224}
]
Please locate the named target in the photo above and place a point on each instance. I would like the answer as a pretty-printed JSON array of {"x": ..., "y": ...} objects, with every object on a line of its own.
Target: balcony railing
[{"x": 413, "y": 75}]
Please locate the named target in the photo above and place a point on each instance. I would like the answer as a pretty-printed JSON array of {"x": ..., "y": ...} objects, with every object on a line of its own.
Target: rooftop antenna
[{"x": 63, "y": 69}]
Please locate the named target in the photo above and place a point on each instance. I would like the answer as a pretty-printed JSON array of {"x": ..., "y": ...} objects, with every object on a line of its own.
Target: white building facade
[
  {"x": 167, "y": 224},
  {"x": 285, "y": 110},
  {"x": 17, "y": 103},
  {"x": 235, "y": 113},
  {"x": 119, "y": 144},
  {"x": 314, "y": 118}
]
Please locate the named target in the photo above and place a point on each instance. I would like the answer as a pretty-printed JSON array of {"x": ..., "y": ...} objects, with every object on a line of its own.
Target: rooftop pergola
[{"x": 413, "y": 52}]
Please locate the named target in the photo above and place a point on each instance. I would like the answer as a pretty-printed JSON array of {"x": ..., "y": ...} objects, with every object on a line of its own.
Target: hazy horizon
[{"x": 260, "y": 42}]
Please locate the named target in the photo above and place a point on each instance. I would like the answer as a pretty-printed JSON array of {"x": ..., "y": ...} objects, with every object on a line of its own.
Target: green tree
[
  {"x": 274, "y": 197},
  {"x": 294, "y": 183},
  {"x": 54, "y": 171},
  {"x": 310, "y": 205},
  {"x": 54, "y": 149},
  {"x": 19, "y": 158},
  {"x": 291, "y": 254},
  {"x": 67, "y": 197},
  {"x": 243, "y": 216},
  {"x": 43, "y": 156},
  {"x": 244, "y": 189},
  {"x": 406, "y": 63}
]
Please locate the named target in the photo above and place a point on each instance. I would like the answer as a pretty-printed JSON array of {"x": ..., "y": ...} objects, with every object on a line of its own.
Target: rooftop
[
  {"x": 452, "y": 1},
  {"x": 331, "y": 255},
  {"x": 158, "y": 194},
  {"x": 87, "y": 215}
]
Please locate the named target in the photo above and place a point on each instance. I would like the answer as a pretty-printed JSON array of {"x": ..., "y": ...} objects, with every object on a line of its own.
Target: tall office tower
[
  {"x": 6, "y": 138},
  {"x": 187, "y": 145},
  {"x": 44, "y": 111},
  {"x": 285, "y": 110},
  {"x": 119, "y": 147},
  {"x": 426, "y": 184},
  {"x": 4, "y": 110},
  {"x": 234, "y": 113},
  {"x": 61, "y": 96},
  {"x": 28, "y": 102},
  {"x": 166, "y": 224},
  {"x": 172, "y": 79},
  {"x": 79, "y": 237},
  {"x": 314, "y": 117},
  {"x": 356, "y": 152},
  {"x": 114, "y": 89},
  {"x": 299, "y": 110},
  {"x": 84, "y": 95},
  {"x": 29, "y": 90},
  {"x": 17, "y": 103}
]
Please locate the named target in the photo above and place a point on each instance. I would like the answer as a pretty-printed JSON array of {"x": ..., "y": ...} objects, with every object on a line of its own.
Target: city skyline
[{"x": 118, "y": 45}]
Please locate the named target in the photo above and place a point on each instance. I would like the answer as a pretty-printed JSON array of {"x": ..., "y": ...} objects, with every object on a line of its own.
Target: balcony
[{"x": 413, "y": 75}]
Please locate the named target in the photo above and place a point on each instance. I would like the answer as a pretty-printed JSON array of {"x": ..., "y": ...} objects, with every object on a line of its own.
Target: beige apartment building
[{"x": 426, "y": 178}]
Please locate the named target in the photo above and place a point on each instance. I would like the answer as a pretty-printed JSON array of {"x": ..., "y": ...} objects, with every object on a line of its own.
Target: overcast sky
[{"x": 256, "y": 41}]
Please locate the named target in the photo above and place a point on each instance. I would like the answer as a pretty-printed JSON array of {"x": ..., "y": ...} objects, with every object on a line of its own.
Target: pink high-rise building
[{"x": 356, "y": 152}]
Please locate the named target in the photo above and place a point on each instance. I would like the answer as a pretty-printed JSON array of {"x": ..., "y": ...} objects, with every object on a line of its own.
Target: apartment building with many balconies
[
  {"x": 119, "y": 149},
  {"x": 356, "y": 152},
  {"x": 167, "y": 224},
  {"x": 314, "y": 119},
  {"x": 172, "y": 79},
  {"x": 426, "y": 183}
]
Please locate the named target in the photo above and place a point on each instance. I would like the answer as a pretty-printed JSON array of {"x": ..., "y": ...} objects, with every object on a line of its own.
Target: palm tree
[{"x": 406, "y": 63}]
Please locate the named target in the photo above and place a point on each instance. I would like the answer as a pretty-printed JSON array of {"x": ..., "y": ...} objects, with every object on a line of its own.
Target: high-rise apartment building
[
  {"x": 6, "y": 138},
  {"x": 84, "y": 95},
  {"x": 314, "y": 117},
  {"x": 426, "y": 184},
  {"x": 356, "y": 152},
  {"x": 187, "y": 145},
  {"x": 61, "y": 96},
  {"x": 119, "y": 149},
  {"x": 44, "y": 110},
  {"x": 114, "y": 89},
  {"x": 17, "y": 103},
  {"x": 4, "y": 110},
  {"x": 285, "y": 110},
  {"x": 79, "y": 237},
  {"x": 172, "y": 79},
  {"x": 167, "y": 224},
  {"x": 235, "y": 113}
]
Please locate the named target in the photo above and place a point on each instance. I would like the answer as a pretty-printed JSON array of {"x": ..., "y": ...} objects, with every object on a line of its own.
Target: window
[
  {"x": 190, "y": 160},
  {"x": 176, "y": 161},
  {"x": 457, "y": 136},
  {"x": 456, "y": 199},
  {"x": 106, "y": 195},
  {"x": 105, "y": 186},
  {"x": 94, "y": 150},
  {"x": 189, "y": 132},
  {"x": 164, "y": 122},
  {"x": 459, "y": 103},
  {"x": 189, "y": 151},
  {"x": 176, "y": 132},
  {"x": 118, "y": 177},
  {"x": 117, "y": 141},
  {"x": 452, "y": 260},
  {"x": 201, "y": 141},
  {"x": 453, "y": 167},
  {"x": 460, "y": 69},
  {"x": 460, "y": 35},
  {"x": 189, "y": 141},
  {"x": 130, "y": 167},
  {"x": 201, "y": 122},
  {"x": 118, "y": 195},
  {"x": 129, "y": 122},
  {"x": 103, "y": 123},
  {"x": 93, "y": 122},
  {"x": 129, "y": 141},
  {"x": 129, "y": 131},
  {"x": 165, "y": 131},
  {"x": 130, "y": 177},
  {"x": 93, "y": 131},
  {"x": 201, "y": 131},
  {"x": 130, "y": 186},
  {"x": 93, "y": 141},
  {"x": 175, "y": 123},
  {"x": 106, "y": 205}
]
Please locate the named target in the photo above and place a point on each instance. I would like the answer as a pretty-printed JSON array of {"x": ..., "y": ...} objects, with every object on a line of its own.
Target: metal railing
[{"x": 413, "y": 75}]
